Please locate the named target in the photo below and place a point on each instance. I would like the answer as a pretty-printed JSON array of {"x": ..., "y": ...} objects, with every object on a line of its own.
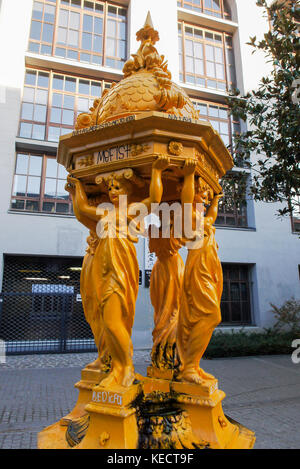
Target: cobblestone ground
[{"x": 263, "y": 393}]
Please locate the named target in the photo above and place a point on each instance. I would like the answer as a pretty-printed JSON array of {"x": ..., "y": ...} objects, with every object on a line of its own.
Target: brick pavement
[{"x": 263, "y": 393}]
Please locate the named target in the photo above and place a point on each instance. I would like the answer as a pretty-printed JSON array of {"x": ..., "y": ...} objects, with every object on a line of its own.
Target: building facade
[{"x": 57, "y": 56}]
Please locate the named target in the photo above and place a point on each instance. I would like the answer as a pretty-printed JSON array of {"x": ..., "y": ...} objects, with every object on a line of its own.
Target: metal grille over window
[
  {"x": 235, "y": 303},
  {"x": 39, "y": 185},
  {"x": 206, "y": 58},
  {"x": 87, "y": 31},
  {"x": 41, "y": 309},
  {"x": 52, "y": 102},
  {"x": 233, "y": 207},
  {"x": 217, "y": 8}
]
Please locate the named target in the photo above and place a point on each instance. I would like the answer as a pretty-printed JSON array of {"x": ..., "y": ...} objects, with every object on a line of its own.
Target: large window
[
  {"x": 87, "y": 31},
  {"x": 218, "y": 8},
  {"x": 235, "y": 303},
  {"x": 206, "y": 57},
  {"x": 39, "y": 185},
  {"x": 233, "y": 207},
  {"x": 217, "y": 114},
  {"x": 52, "y": 102}
]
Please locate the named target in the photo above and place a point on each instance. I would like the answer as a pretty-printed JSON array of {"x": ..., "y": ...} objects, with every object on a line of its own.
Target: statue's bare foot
[
  {"x": 190, "y": 375},
  {"x": 205, "y": 375},
  {"x": 128, "y": 376},
  {"x": 95, "y": 365}
]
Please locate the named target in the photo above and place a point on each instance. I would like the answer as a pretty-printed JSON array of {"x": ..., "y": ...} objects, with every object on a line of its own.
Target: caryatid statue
[
  {"x": 114, "y": 273},
  {"x": 200, "y": 311},
  {"x": 165, "y": 293}
]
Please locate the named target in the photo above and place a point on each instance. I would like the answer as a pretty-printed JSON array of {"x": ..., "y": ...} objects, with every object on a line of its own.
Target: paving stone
[{"x": 263, "y": 393}]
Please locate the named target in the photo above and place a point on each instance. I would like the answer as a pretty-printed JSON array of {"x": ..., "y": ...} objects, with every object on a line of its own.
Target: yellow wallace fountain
[{"x": 143, "y": 142}]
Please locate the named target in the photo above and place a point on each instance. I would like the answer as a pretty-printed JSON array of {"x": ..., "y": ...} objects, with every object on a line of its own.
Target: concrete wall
[{"x": 269, "y": 247}]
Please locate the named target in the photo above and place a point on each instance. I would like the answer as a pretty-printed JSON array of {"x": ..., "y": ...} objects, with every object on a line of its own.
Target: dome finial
[
  {"x": 148, "y": 21},
  {"x": 148, "y": 31}
]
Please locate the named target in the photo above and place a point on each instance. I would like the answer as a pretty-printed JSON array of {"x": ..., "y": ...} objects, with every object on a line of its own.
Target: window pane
[
  {"x": 218, "y": 55},
  {"x": 97, "y": 44},
  {"x": 39, "y": 113},
  {"x": 49, "y": 15},
  {"x": 88, "y": 23},
  {"x": 57, "y": 99},
  {"x": 19, "y": 185},
  {"x": 70, "y": 84},
  {"x": 49, "y": 207},
  {"x": 53, "y": 134},
  {"x": 63, "y": 18},
  {"x": 61, "y": 193},
  {"x": 25, "y": 130},
  {"x": 22, "y": 164},
  {"x": 84, "y": 87},
  {"x": 95, "y": 89},
  {"x": 111, "y": 28},
  {"x": 35, "y": 165},
  {"x": 62, "y": 172},
  {"x": 35, "y": 32},
  {"x": 87, "y": 41},
  {"x": 27, "y": 111},
  {"x": 209, "y": 51},
  {"x": 43, "y": 80},
  {"x": 38, "y": 132},
  {"x": 210, "y": 69},
  {"x": 62, "y": 36},
  {"x": 30, "y": 77},
  {"x": 58, "y": 82},
  {"x": 67, "y": 117},
  {"x": 83, "y": 105},
  {"x": 73, "y": 37},
  {"x": 111, "y": 47},
  {"x": 74, "y": 20},
  {"x": 69, "y": 102},
  {"x": 17, "y": 204},
  {"x": 51, "y": 170},
  {"x": 50, "y": 188},
  {"x": 199, "y": 69},
  {"x": 62, "y": 208},
  {"x": 47, "y": 33},
  {"x": 37, "y": 12},
  {"x": 41, "y": 96},
  {"x": 33, "y": 186},
  {"x": 32, "y": 205},
  {"x": 28, "y": 94}
]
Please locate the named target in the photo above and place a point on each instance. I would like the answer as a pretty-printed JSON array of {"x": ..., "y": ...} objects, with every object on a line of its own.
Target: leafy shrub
[
  {"x": 241, "y": 343},
  {"x": 287, "y": 316}
]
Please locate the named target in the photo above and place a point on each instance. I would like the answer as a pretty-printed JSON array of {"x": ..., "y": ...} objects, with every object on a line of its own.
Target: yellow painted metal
[{"x": 143, "y": 140}]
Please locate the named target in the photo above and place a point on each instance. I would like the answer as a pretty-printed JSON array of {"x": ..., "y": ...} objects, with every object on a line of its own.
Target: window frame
[
  {"x": 49, "y": 106},
  {"x": 229, "y": 121},
  {"x": 41, "y": 198},
  {"x": 79, "y": 49},
  {"x": 190, "y": 5},
  {"x": 246, "y": 318},
  {"x": 203, "y": 40}
]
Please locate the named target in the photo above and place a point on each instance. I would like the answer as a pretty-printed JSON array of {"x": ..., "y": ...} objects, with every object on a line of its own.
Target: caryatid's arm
[
  {"x": 81, "y": 206},
  {"x": 212, "y": 212},
  {"x": 188, "y": 189},
  {"x": 88, "y": 222},
  {"x": 156, "y": 186}
]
